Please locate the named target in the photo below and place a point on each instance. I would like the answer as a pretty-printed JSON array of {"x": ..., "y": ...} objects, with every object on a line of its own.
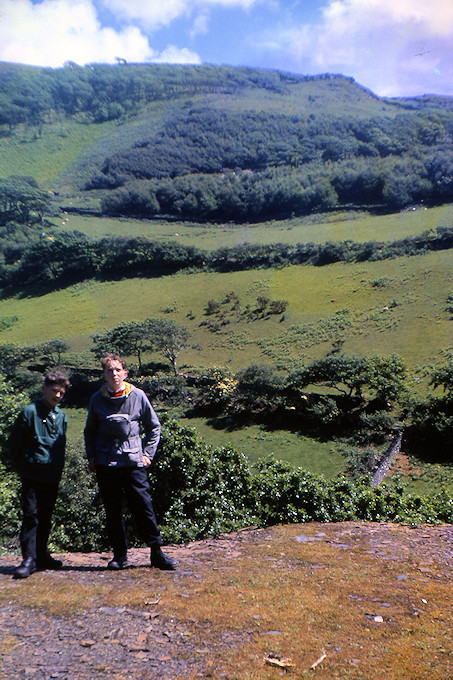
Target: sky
[{"x": 395, "y": 48}]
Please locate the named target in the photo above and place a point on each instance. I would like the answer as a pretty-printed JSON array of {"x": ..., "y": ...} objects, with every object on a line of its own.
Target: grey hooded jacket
[{"x": 119, "y": 431}]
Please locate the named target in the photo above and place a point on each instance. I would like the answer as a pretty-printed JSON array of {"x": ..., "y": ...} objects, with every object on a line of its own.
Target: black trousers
[
  {"x": 38, "y": 501},
  {"x": 130, "y": 483}
]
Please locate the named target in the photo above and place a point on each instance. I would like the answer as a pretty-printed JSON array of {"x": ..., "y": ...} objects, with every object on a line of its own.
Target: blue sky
[{"x": 392, "y": 47}]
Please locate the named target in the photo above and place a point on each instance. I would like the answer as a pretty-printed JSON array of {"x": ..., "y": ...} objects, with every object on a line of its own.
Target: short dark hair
[
  {"x": 107, "y": 358},
  {"x": 56, "y": 378}
]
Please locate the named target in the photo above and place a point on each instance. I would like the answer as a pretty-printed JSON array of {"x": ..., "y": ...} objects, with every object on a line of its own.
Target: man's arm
[
  {"x": 151, "y": 427},
  {"x": 89, "y": 435},
  {"x": 19, "y": 439}
]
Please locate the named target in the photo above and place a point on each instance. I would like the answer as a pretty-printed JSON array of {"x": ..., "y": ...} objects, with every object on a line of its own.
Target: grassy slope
[
  {"x": 419, "y": 286},
  {"x": 47, "y": 157},
  {"x": 67, "y": 151},
  {"x": 315, "y": 228}
]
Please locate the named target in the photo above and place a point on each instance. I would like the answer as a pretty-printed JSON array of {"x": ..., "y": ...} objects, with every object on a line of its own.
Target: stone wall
[{"x": 386, "y": 460}]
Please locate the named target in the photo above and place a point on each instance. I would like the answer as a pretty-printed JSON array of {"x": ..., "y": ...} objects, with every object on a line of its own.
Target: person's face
[
  {"x": 115, "y": 375},
  {"x": 53, "y": 394}
]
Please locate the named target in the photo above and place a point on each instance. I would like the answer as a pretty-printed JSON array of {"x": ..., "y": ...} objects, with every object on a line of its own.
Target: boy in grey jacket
[{"x": 119, "y": 415}]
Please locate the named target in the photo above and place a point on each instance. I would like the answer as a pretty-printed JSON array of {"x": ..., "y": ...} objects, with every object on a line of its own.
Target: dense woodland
[
  {"x": 207, "y": 164},
  {"x": 199, "y": 160}
]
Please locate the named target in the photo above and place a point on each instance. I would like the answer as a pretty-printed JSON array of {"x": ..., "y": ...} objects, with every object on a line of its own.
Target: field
[
  {"x": 358, "y": 227},
  {"x": 383, "y": 307},
  {"x": 390, "y": 306}
]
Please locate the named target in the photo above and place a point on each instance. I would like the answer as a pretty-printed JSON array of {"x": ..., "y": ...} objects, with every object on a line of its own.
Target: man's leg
[
  {"x": 28, "y": 530},
  {"x": 138, "y": 495},
  {"x": 47, "y": 496},
  {"x": 110, "y": 481},
  {"x": 29, "y": 527}
]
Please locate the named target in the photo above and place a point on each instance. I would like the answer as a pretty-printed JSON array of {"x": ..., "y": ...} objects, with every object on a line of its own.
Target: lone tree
[
  {"x": 133, "y": 338},
  {"x": 21, "y": 200},
  {"x": 50, "y": 352},
  {"x": 170, "y": 338}
]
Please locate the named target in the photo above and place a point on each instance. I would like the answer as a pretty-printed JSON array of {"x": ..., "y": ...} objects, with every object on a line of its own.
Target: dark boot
[
  {"x": 48, "y": 562},
  {"x": 161, "y": 561},
  {"x": 118, "y": 563},
  {"x": 26, "y": 567}
]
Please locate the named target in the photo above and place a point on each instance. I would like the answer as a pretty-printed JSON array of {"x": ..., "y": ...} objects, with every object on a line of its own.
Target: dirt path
[{"x": 124, "y": 642}]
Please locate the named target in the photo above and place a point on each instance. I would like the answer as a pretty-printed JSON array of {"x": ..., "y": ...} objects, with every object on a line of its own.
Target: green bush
[
  {"x": 79, "y": 519},
  {"x": 431, "y": 424},
  {"x": 199, "y": 491},
  {"x": 11, "y": 403},
  {"x": 9, "y": 510}
]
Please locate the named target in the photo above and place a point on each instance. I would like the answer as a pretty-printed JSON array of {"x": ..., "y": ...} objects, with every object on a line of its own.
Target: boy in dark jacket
[
  {"x": 119, "y": 416},
  {"x": 37, "y": 445}
]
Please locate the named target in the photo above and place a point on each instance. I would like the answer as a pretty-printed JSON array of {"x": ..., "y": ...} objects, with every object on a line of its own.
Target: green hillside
[
  {"x": 281, "y": 220},
  {"x": 220, "y": 143},
  {"x": 390, "y": 306}
]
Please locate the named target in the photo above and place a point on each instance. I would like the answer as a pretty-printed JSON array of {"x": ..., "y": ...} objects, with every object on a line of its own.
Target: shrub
[
  {"x": 11, "y": 403},
  {"x": 9, "y": 510},
  {"x": 199, "y": 490},
  {"x": 78, "y": 520}
]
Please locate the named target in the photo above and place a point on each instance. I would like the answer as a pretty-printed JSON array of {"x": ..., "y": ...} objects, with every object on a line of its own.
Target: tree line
[
  {"x": 55, "y": 258},
  {"x": 207, "y": 164}
]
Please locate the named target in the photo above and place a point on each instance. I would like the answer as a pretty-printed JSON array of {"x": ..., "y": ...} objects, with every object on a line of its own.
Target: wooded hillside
[{"x": 221, "y": 143}]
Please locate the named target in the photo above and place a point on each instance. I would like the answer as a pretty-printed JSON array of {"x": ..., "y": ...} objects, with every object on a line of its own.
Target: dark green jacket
[{"x": 37, "y": 442}]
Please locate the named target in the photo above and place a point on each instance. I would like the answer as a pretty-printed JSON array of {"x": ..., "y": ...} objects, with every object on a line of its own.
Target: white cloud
[
  {"x": 157, "y": 13},
  {"x": 175, "y": 55},
  {"x": 200, "y": 25},
  {"x": 55, "y": 31},
  {"x": 376, "y": 42},
  {"x": 152, "y": 13}
]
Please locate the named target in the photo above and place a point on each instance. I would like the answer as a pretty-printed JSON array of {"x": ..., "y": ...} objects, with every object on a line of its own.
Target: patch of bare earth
[
  {"x": 349, "y": 600},
  {"x": 402, "y": 465}
]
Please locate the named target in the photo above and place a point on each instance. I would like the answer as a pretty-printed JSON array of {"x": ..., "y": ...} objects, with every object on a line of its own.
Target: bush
[
  {"x": 431, "y": 425},
  {"x": 9, "y": 510},
  {"x": 79, "y": 519},
  {"x": 199, "y": 491}
]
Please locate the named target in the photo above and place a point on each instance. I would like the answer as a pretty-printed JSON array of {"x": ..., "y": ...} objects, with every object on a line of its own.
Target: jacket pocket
[
  {"x": 132, "y": 445},
  {"x": 116, "y": 426}
]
